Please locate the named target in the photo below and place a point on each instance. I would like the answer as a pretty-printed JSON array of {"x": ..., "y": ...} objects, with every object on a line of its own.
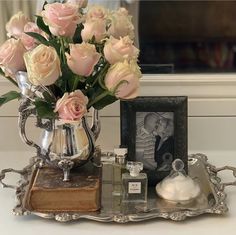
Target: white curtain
[{"x": 10, "y": 7}]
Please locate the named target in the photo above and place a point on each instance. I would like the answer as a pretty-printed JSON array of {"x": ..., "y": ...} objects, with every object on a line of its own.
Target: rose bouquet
[{"x": 81, "y": 56}]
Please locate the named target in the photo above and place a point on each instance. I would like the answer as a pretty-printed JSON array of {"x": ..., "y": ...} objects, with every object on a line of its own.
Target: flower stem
[
  {"x": 101, "y": 74},
  {"x": 76, "y": 81},
  {"x": 98, "y": 98},
  {"x": 63, "y": 55}
]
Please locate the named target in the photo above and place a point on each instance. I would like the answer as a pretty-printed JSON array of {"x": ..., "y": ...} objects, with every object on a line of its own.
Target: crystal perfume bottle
[
  {"x": 178, "y": 187},
  {"x": 134, "y": 183},
  {"x": 119, "y": 168}
]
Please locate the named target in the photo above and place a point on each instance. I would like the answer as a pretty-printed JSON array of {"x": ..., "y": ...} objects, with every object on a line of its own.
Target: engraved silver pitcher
[{"x": 64, "y": 145}]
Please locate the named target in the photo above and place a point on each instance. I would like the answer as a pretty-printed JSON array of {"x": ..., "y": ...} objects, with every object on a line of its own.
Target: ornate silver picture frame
[{"x": 154, "y": 129}]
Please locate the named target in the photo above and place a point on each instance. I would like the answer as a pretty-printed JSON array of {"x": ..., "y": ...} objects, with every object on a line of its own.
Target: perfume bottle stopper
[
  {"x": 178, "y": 165},
  {"x": 120, "y": 155},
  {"x": 134, "y": 168}
]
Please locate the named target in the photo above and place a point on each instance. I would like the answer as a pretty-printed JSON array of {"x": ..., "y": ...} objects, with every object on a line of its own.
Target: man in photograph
[
  {"x": 164, "y": 145},
  {"x": 145, "y": 141}
]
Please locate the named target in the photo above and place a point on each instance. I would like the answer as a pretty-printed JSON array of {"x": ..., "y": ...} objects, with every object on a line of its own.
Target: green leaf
[
  {"x": 48, "y": 97},
  {"x": 100, "y": 76},
  {"x": 11, "y": 95},
  {"x": 56, "y": 44},
  {"x": 93, "y": 92},
  {"x": 38, "y": 37},
  {"x": 68, "y": 79},
  {"x": 42, "y": 25},
  {"x": 56, "y": 90},
  {"x": 92, "y": 40},
  {"x": 75, "y": 82},
  {"x": 44, "y": 109},
  {"x": 109, "y": 99},
  {"x": 77, "y": 36},
  {"x": 101, "y": 82},
  {"x": 2, "y": 73}
]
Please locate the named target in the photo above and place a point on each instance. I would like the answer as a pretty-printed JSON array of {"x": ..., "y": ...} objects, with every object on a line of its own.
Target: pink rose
[
  {"x": 80, "y": 3},
  {"x": 82, "y": 58},
  {"x": 28, "y": 41},
  {"x": 11, "y": 56},
  {"x": 119, "y": 50},
  {"x": 95, "y": 28},
  {"x": 121, "y": 24},
  {"x": 97, "y": 12},
  {"x": 123, "y": 79},
  {"x": 15, "y": 26},
  {"x": 62, "y": 18},
  {"x": 72, "y": 107}
]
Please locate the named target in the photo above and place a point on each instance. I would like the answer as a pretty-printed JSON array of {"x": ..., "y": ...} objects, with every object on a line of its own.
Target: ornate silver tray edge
[{"x": 215, "y": 181}]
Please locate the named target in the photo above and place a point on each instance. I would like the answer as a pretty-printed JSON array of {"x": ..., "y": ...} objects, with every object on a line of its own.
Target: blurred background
[{"x": 173, "y": 36}]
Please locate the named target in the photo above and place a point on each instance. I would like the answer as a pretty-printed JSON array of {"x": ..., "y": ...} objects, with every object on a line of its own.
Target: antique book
[{"x": 48, "y": 193}]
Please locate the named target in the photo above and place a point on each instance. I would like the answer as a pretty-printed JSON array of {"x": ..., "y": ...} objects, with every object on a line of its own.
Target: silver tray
[{"x": 211, "y": 201}]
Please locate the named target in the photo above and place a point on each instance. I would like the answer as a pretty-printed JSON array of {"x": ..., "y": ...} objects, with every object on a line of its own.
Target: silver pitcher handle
[
  {"x": 96, "y": 123},
  {"x": 25, "y": 110}
]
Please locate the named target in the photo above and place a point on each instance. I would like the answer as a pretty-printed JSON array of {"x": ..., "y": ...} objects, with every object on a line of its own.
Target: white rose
[
  {"x": 43, "y": 65},
  {"x": 118, "y": 50},
  {"x": 121, "y": 24},
  {"x": 96, "y": 28},
  {"x": 97, "y": 12},
  {"x": 122, "y": 78}
]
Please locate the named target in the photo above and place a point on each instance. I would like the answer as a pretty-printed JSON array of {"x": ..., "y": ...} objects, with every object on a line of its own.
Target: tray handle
[
  {"x": 3, "y": 176},
  {"x": 35, "y": 162},
  {"x": 230, "y": 168}
]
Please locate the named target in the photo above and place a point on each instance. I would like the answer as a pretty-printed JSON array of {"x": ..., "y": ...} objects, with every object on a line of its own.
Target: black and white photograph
[
  {"x": 154, "y": 129},
  {"x": 155, "y": 140}
]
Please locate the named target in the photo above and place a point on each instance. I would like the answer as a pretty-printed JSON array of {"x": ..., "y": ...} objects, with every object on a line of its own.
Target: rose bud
[
  {"x": 97, "y": 12},
  {"x": 121, "y": 24},
  {"x": 119, "y": 50},
  {"x": 82, "y": 58},
  {"x": 96, "y": 28},
  {"x": 11, "y": 57},
  {"x": 28, "y": 41}
]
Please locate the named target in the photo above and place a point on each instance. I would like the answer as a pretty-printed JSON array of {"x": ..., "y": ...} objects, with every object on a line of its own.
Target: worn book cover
[{"x": 49, "y": 193}]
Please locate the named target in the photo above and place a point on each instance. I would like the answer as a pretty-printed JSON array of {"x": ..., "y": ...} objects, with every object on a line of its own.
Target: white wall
[{"x": 212, "y": 112}]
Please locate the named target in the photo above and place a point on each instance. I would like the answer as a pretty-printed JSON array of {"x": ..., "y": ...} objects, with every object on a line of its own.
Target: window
[{"x": 187, "y": 36}]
